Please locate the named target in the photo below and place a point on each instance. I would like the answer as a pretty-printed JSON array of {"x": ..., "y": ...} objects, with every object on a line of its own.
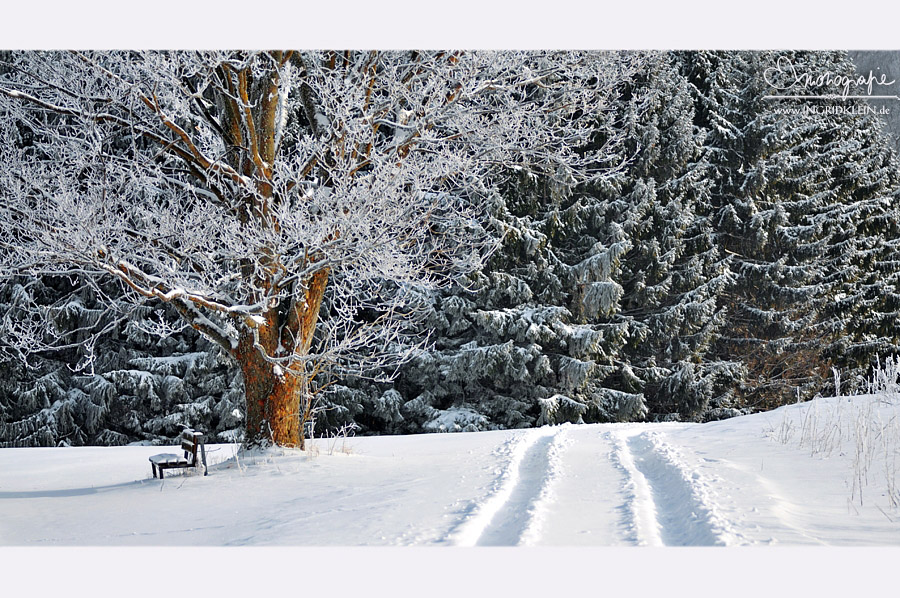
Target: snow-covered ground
[{"x": 820, "y": 473}]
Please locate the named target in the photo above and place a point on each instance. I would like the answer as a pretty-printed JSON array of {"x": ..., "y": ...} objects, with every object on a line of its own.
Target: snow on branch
[{"x": 225, "y": 182}]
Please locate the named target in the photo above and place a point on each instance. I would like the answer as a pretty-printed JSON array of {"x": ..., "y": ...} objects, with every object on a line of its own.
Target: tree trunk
[
  {"x": 276, "y": 404},
  {"x": 273, "y": 402}
]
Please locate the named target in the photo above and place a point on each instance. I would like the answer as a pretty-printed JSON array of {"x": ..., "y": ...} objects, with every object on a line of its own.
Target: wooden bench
[{"x": 191, "y": 440}]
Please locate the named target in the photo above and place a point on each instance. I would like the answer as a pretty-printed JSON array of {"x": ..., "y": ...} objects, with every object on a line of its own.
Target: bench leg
[{"x": 160, "y": 473}]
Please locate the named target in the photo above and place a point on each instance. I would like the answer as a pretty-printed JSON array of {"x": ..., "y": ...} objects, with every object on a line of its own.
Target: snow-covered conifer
[
  {"x": 127, "y": 385},
  {"x": 796, "y": 188}
]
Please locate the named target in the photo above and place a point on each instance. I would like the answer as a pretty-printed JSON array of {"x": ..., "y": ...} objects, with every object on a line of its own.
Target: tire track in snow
[
  {"x": 513, "y": 513},
  {"x": 540, "y": 509},
  {"x": 667, "y": 503},
  {"x": 639, "y": 509}
]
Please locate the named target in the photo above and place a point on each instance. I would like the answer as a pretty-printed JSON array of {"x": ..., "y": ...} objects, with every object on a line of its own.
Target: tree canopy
[{"x": 292, "y": 207}]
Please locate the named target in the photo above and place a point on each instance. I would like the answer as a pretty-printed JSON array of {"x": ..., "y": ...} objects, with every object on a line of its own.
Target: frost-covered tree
[
  {"x": 517, "y": 344},
  {"x": 141, "y": 386},
  {"x": 801, "y": 204},
  {"x": 295, "y": 208},
  {"x": 673, "y": 271},
  {"x": 861, "y": 312},
  {"x": 600, "y": 304}
]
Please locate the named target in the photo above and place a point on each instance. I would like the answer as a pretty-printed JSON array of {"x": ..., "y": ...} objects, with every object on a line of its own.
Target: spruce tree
[
  {"x": 796, "y": 187},
  {"x": 131, "y": 384},
  {"x": 673, "y": 273},
  {"x": 600, "y": 304}
]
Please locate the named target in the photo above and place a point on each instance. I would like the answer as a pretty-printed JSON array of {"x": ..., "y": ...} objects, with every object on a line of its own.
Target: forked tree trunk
[{"x": 275, "y": 403}]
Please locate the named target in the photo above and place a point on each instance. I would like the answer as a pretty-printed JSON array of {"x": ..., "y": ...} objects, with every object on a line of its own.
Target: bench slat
[{"x": 167, "y": 458}]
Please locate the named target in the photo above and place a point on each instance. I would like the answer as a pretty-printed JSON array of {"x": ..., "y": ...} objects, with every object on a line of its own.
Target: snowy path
[
  {"x": 720, "y": 484},
  {"x": 652, "y": 498},
  {"x": 511, "y": 515},
  {"x": 671, "y": 504}
]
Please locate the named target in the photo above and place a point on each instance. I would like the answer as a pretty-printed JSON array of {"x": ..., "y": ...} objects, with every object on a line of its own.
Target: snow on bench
[{"x": 191, "y": 440}]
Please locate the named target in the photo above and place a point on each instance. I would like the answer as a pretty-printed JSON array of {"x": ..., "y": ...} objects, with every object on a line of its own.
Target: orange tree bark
[{"x": 276, "y": 405}]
